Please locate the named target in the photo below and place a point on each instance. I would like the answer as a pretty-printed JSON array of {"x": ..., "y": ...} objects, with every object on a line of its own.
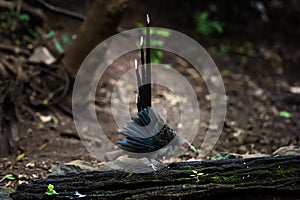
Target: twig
[
  {"x": 15, "y": 50},
  {"x": 62, "y": 11},
  {"x": 56, "y": 95},
  {"x": 3, "y": 71},
  {"x": 9, "y": 66}
]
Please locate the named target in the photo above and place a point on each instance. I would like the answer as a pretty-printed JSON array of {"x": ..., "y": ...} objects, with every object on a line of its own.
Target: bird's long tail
[{"x": 144, "y": 80}]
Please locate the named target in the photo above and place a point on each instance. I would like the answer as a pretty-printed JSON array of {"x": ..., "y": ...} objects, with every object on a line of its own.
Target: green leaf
[
  {"x": 151, "y": 32},
  {"x": 33, "y": 33},
  {"x": 285, "y": 114},
  {"x": 50, "y": 187},
  {"x": 203, "y": 16},
  {"x": 50, "y": 190},
  {"x": 22, "y": 58},
  {"x": 162, "y": 32},
  {"x": 24, "y": 17},
  {"x": 138, "y": 24},
  {"x": 53, "y": 192},
  {"x": 224, "y": 49},
  {"x": 217, "y": 26},
  {"x": 205, "y": 29},
  {"x": 156, "y": 55},
  {"x": 50, "y": 35},
  {"x": 9, "y": 177},
  {"x": 206, "y": 26},
  {"x": 155, "y": 59},
  {"x": 54, "y": 119},
  {"x": 157, "y": 43},
  {"x": 20, "y": 156},
  {"x": 58, "y": 46},
  {"x": 225, "y": 72},
  {"x": 66, "y": 40}
]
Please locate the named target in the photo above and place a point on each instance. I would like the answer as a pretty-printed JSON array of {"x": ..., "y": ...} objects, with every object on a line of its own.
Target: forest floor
[{"x": 259, "y": 62}]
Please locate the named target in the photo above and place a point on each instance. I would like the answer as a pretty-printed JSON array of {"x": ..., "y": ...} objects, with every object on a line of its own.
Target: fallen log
[{"x": 251, "y": 178}]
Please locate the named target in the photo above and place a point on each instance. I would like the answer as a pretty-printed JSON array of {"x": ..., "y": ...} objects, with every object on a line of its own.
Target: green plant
[
  {"x": 216, "y": 178},
  {"x": 8, "y": 177},
  {"x": 50, "y": 190},
  {"x": 229, "y": 179},
  {"x": 205, "y": 26},
  {"x": 66, "y": 40},
  {"x": 16, "y": 16},
  {"x": 157, "y": 53},
  {"x": 129, "y": 175},
  {"x": 285, "y": 114},
  {"x": 225, "y": 73},
  {"x": 224, "y": 49},
  {"x": 54, "y": 119},
  {"x": 197, "y": 175},
  {"x": 58, "y": 43},
  {"x": 14, "y": 19}
]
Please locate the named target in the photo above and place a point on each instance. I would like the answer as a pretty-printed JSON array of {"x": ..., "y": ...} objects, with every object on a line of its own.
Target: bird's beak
[{"x": 192, "y": 149}]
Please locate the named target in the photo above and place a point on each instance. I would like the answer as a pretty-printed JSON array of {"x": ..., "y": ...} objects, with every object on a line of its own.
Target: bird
[{"x": 147, "y": 132}]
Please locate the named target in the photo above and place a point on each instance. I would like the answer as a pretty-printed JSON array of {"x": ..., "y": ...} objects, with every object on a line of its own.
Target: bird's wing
[{"x": 146, "y": 133}]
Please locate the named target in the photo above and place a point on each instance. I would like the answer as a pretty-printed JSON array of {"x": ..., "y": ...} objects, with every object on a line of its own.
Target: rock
[
  {"x": 287, "y": 150},
  {"x": 42, "y": 55}
]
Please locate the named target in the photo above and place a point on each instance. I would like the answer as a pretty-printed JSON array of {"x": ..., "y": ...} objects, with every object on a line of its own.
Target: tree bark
[
  {"x": 101, "y": 23},
  {"x": 254, "y": 178}
]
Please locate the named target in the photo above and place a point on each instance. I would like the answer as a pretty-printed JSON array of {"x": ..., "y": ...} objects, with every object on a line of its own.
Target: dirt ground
[{"x": 261, "y": 81}]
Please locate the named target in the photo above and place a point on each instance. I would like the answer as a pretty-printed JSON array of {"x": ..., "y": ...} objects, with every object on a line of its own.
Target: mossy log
[{"x": 252, "y": 178}]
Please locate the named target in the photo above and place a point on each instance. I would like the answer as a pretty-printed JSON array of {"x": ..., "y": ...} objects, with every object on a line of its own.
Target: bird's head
[
  {"x": 188, "y": 146},
  {"x": 181, "y": 145}
]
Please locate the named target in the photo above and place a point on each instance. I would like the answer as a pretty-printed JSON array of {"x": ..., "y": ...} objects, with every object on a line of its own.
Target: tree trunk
[
  {"x": 254, "y": 178},
  {"x": 101, "y": 23}
]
